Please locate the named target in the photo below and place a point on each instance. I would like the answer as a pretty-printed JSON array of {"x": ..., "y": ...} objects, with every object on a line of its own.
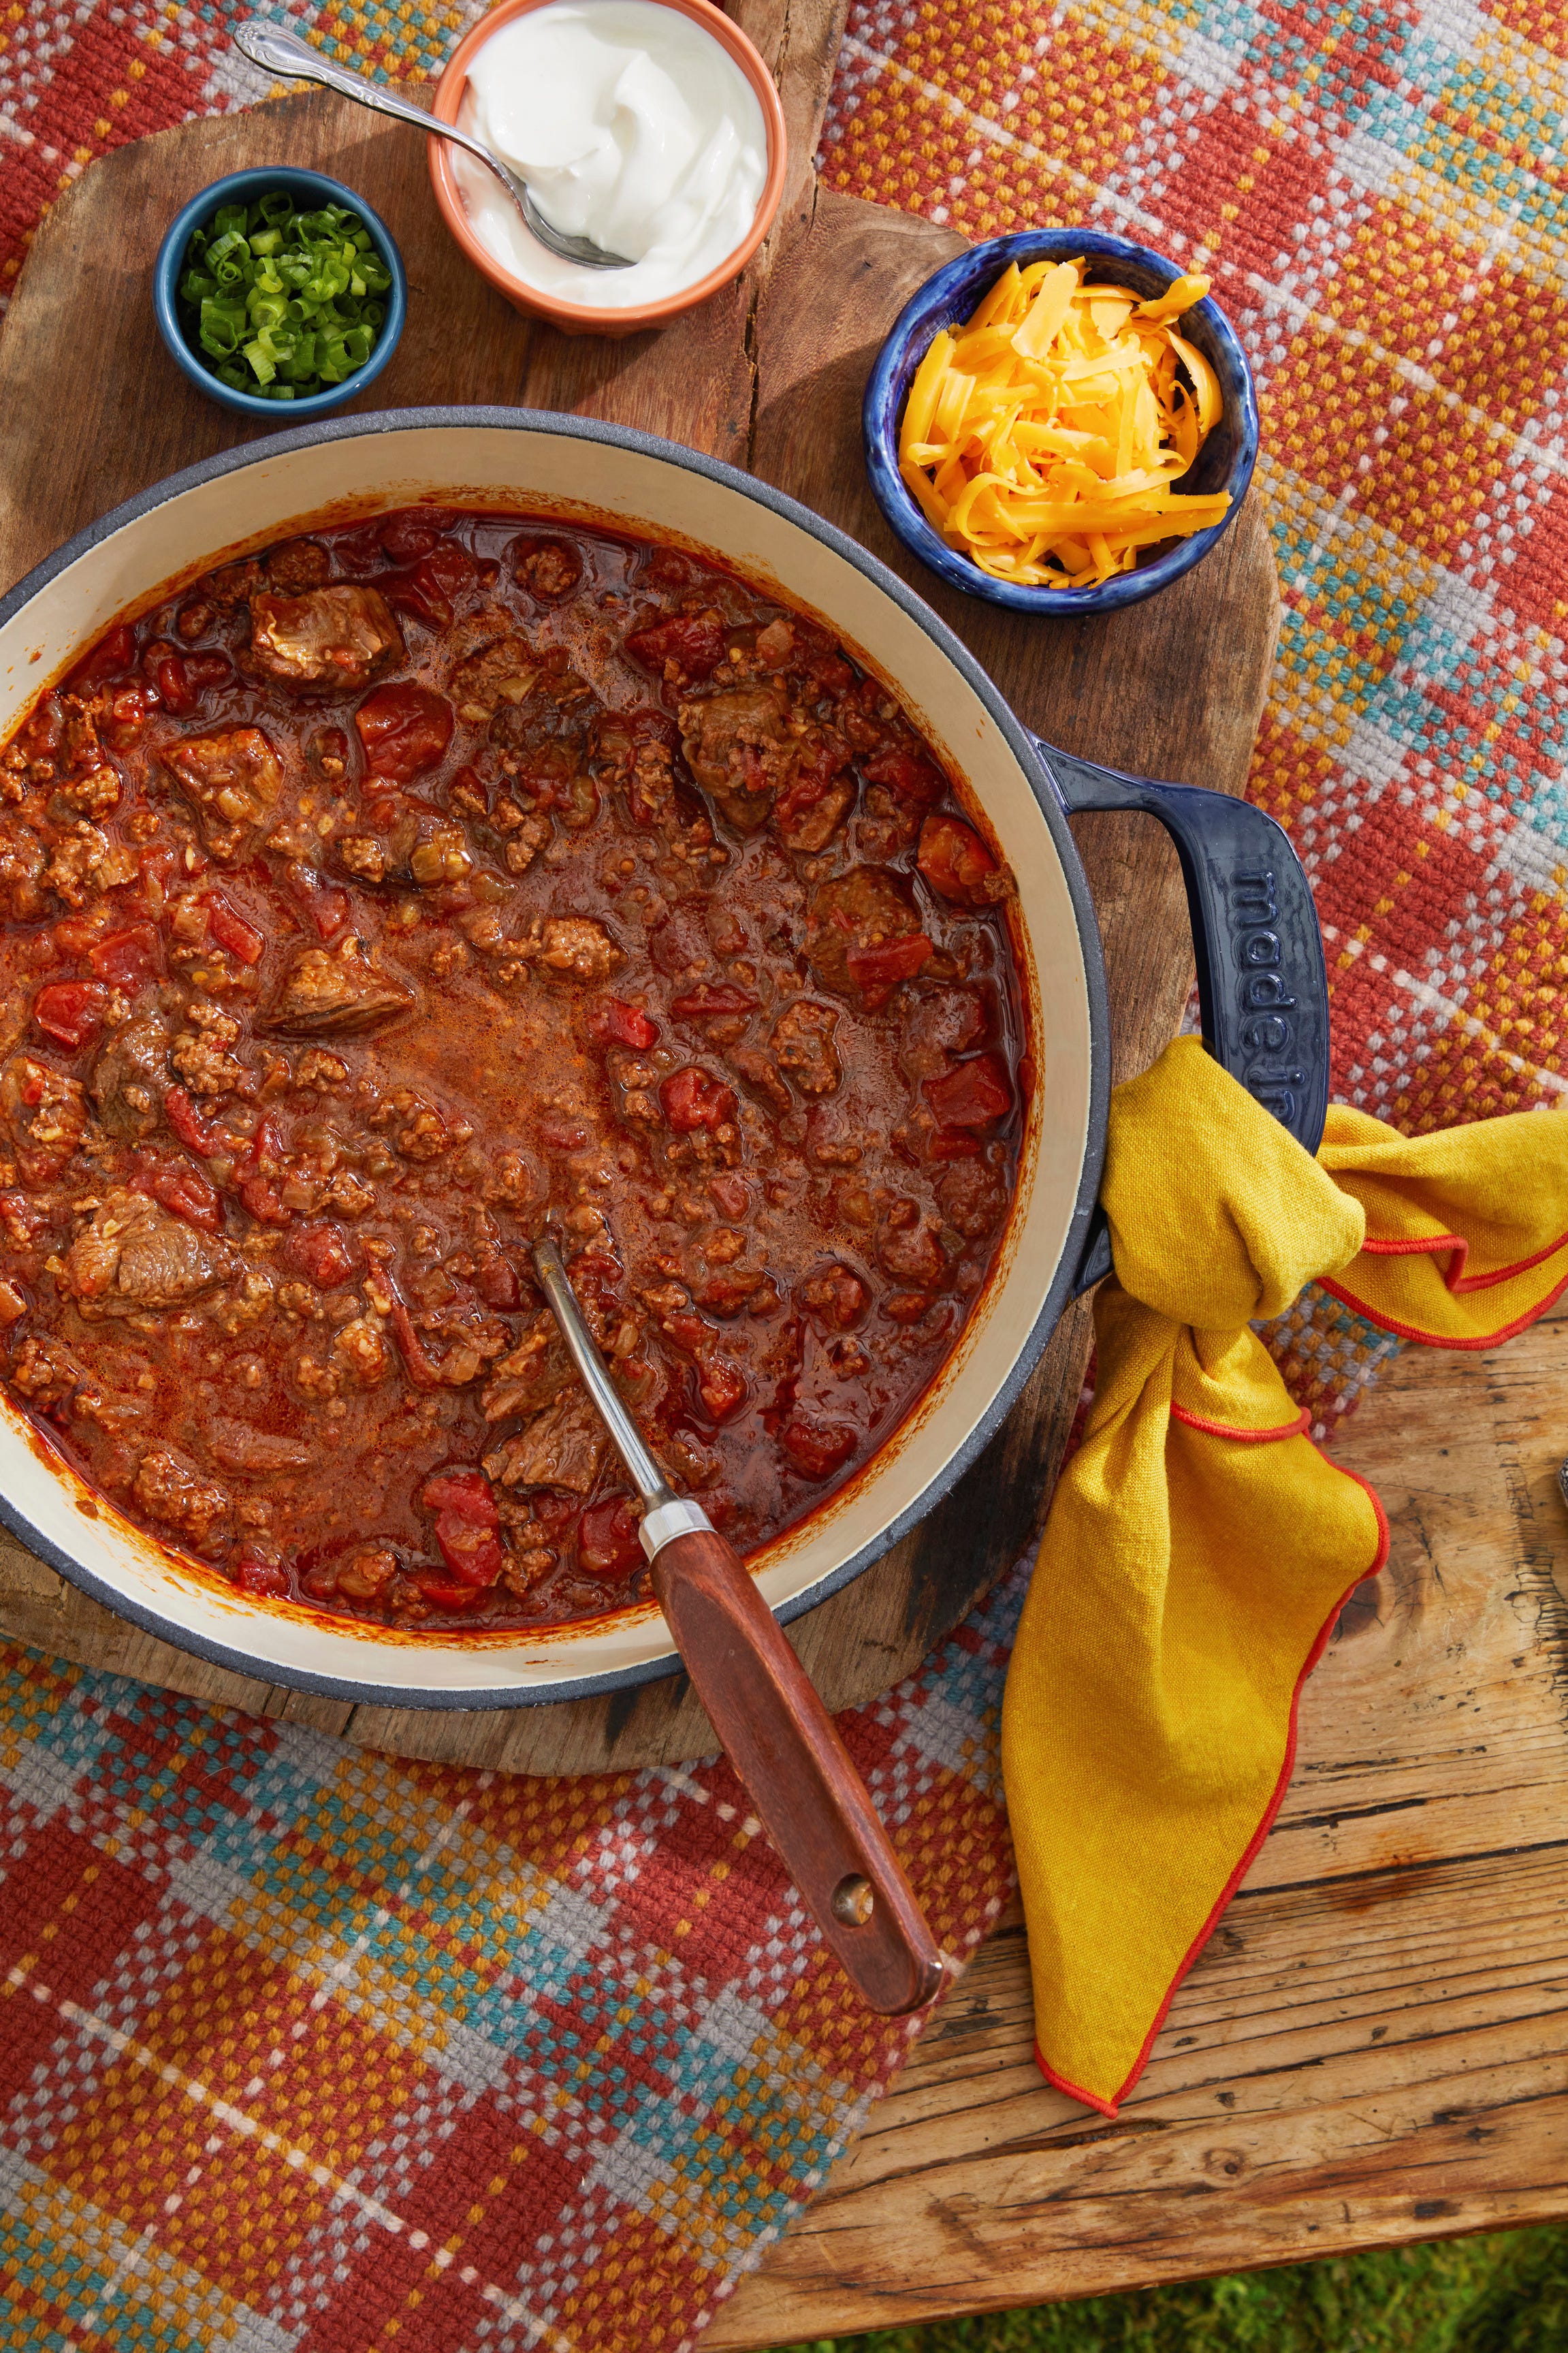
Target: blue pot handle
[{"x": 1263, "y": 986}]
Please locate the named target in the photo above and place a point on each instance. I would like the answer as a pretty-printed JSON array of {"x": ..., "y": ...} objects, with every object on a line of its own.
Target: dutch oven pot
[{"x": 1261, "y": 977}]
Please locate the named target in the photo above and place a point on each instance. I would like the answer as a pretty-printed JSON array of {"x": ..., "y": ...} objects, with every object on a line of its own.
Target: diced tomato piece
[
  {"x": 953, "y": 1144},
  {"x": 157, "y": 864},
  {"x": 608, "y": 1544},
  {"x": 71, "y": 1011},
  {"x": 322, "y": 1255},
  {"x": 709, "y": 998},
  {"x": 232, "y": 931},
  {"x": 816, "y": 1448},
  {"x": 973, "y": 1093},
  {"x": 74, "y": 935},
  {"x": 414, "y": 532},
  {"x": 729, "y": 1195},
  {"x": 128, "y": 711},
  {"x": 404, "y": 729},
  {"x": 188, "y": 1124},
  {"x": 255, "y": 1188},
  {"x": 182, "y": 679},
  {"x": 694, "y": 642},
  {"x": 692, "y": 1098},
  {"x": 184, "y": 1191},
  {"x": 721, "y": 1386},
  {"x": 464, "y": 1490},
  {"x": 955, "y": 861},
  {"x": 446, "y": 1592},
  {"x": 126, "y": 959},
  {"x": 497, "y": 1284},
  {"x": 430, "y": 589},
  {"x": 110, "y": 657},
  {"x": 905, "y": 769},
  {"x": 617, "y": 1023},
  {"x": 192, "y": 1197},
  {"x": 420, "y": 1370},
  {"x": 466, "y": 1523},
  {"x": 878, "y": 971},
  {"x": 254, "y": 1573},
  {"x": 470, "y": 1551}
]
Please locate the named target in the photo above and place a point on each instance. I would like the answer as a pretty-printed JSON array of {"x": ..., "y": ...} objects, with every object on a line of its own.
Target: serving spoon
[
  {"x": 761, "y": 1702},
  {"x": 284, "y": 53}
]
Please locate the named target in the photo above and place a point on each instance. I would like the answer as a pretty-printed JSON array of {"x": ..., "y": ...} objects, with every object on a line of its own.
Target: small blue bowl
[
  {"x": 1224, "y": 463},
  {"x": 309, "y": 188}
]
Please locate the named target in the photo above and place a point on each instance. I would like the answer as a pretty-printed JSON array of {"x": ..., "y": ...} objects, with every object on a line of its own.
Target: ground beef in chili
[{"x": 389, "y": 895}]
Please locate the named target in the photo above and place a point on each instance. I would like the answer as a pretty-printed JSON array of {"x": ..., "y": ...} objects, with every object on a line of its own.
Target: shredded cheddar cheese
[{"x": 1046, "y": 436}]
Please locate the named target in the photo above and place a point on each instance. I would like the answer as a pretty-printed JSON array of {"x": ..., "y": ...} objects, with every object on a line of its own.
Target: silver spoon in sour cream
[{"x": 283, "y": 53}]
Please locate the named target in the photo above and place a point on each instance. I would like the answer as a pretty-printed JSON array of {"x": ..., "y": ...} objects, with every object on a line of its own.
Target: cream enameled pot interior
[{"x": 497, "y": 466}]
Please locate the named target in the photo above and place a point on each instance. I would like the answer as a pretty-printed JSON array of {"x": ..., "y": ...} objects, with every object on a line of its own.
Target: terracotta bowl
[{"x": 582, "y": 317}]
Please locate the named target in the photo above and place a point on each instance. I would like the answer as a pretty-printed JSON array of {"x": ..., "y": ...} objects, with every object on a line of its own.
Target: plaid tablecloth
[{"x": 303, "y": 2047}]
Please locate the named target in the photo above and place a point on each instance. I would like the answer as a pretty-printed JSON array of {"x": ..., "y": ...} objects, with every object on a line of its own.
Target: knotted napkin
[{"x": 1199, "y": 1547}]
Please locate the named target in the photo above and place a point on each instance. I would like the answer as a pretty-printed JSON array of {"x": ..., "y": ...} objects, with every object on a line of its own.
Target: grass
[{"x": 1506, "y": 2292}]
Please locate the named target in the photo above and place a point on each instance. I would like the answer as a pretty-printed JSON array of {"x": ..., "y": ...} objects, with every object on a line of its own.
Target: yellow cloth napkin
[{"x": 1199, "y": 1545}]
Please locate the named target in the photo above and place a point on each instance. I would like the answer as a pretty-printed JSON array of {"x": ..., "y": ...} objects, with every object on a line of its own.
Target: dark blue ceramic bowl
[
  {"x": 1224, "y": 462},
  {"x": 310, "y": 189}
]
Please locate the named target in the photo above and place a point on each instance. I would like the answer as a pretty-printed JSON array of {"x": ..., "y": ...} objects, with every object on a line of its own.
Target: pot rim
[{"x": 1020, "y": 743}]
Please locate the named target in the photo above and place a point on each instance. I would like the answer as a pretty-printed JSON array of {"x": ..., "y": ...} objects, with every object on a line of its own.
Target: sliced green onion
[{"x": 282, "y": 303}]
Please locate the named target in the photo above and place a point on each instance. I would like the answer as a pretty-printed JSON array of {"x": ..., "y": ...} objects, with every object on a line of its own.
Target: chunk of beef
[
  {"x": 232, "y": 780},
  {"x": 134, "y": 1258},
  {"x": 972, "y": 1197},
  {"x": 563, "y": 1446},
  {"x": 129, "y": 1077},
  {"x": 45, "y": 1115},
  {"x": 549, "y": 569},
  {"x": 240, "y": 1446},
  {"x": 857, "y": 929},
  {"x": 909, "y": 1246},
  {"x": 298, "y": 564},
  {"x": 338, "y": 639},
  {"x": 234, "y": 586},
  {"x": 941, "y": 1023},
  {"x": 502, "y": 671},
  {"x": 836, "y": 1296},
  {"x": 808, "y": 817},
  {"x": 23, "y": 858},
  {"x": 740, "y": 750},
  {"x": 338, "y": 994},
  {"x": 803, "y": 1041},
  {"x": 45, "y": 1373},
  {"x": 574, "y": 947},
  {"x": 761, "y": 1074},
  {"x": 167, "y": 1490},
  {"x": 200, "y": 1054},
  {"x": 531, "y": 1376}
]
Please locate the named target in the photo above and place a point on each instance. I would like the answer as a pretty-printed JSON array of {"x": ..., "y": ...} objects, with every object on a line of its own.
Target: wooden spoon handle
[{"x": 785, "y": 1746}]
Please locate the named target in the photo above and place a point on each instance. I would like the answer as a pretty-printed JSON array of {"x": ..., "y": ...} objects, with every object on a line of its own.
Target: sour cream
[{"x": 631, "y": 125}]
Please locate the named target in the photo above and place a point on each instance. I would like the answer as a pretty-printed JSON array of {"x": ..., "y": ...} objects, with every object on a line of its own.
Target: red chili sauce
[{"x": 400, "y": 893}]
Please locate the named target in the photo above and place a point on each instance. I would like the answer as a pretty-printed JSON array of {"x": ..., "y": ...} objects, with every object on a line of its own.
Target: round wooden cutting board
[{"x": 768, "y": 375}]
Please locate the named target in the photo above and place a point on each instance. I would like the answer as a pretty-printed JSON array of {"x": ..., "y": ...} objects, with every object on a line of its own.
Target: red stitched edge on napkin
[
  {"x": 1109, "y": 2108},
  {"x": 1456, "y": 1280},
  {"x": 1303, "y": 1422},
  {"x": 1439, "y": 1339}
]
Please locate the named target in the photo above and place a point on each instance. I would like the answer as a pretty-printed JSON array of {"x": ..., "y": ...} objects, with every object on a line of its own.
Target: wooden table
[{"x": 1372, "y": 2047}]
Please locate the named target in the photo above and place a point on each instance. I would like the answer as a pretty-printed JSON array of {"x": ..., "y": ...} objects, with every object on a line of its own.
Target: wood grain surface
[
  {"x": 1371, "y": 2047},
  {"x": 769, "y": 376}
]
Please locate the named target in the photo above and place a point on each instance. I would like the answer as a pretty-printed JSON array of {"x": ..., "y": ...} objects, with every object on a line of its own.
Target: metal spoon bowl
[{"x": 284, "y": 53}]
